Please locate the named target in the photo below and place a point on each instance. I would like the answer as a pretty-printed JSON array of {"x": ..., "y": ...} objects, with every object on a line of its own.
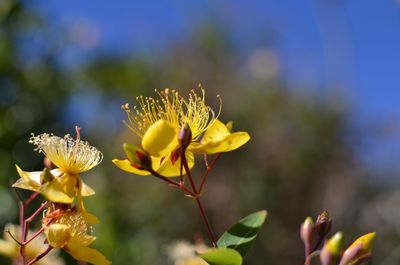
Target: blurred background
[{"x": 315, "y": 83}]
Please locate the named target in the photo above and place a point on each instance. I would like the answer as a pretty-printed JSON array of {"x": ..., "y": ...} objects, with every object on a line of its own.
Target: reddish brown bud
[
  {"x": 359, "y": 250},
  {"x": 323, "y": 224},
  {"x": 351, "y": 254},
  {"x": 307, "y": 230},
  {"x": 138, "y": 158},
  {"x": 185, "y": 136}
]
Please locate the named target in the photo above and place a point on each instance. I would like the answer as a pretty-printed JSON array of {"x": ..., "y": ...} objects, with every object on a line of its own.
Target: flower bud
[
  {"x": 138, "y": 158},
  {"x": 351, "y": 254},
  {"x": 307, "y": 229},
  {"x": 367, "y": 242},
  {"x": 331, "y": 250},
  {"x": 323, "y": 224},
  {"x": 185, "y": 136},
  {"x": 362, "y": 246}
]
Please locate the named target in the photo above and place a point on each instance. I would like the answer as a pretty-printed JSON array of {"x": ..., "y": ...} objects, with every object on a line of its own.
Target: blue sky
[{"x": 350, "y": 47}]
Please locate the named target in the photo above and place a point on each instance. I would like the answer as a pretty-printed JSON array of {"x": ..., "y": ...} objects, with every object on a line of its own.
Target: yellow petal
[
  {"x": 168, "y": 169},
  {"x": 90, "y": 218},
  {"x": 8, "y": 249},
  {"x": 54, "y": 192},
  {"x": 84, "y": 189},
  {"x": 87, "y": 190},
  {"x": 58, "y": 235},
  {"x": 26, "y": 184},
  {"x": 215, "y": 133},
  {"x": 229, "y": 143},
  {"x": 126, "y": 166},
  {"x": 69, "y": 184},
  {"x": 34, "y": 176},
  {"x": 160, "y": 138},
  {"x": 84, "y": 253},
  {"x": 85, "y": 240},
  {"x": 28, "y": 180}
]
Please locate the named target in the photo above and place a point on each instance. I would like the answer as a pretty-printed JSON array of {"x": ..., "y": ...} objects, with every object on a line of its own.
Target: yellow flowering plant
[
  {"x": 172, "y": 130},
  {"x": 66, "y": 224}
]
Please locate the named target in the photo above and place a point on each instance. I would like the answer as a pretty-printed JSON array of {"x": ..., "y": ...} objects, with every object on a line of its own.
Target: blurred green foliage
[{"x": 300, "y": 160}]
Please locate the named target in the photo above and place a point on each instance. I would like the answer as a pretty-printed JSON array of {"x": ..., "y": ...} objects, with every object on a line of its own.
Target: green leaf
[
  {"x": 242, "y": 235},
  {"x": 222, "y": 256}
]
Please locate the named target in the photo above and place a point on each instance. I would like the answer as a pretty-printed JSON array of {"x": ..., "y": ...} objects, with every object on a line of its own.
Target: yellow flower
[
  {"x": 70, "y": 232},
  {"x": 64, "y": 183},
  {"x": 158, "y": 122},
  {"x": 219, "y": 139},
  {"x": 9, "y": 248}
]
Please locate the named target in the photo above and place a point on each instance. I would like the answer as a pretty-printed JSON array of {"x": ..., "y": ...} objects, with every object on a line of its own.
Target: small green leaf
[
  {"x": 241, "y": 236},
  {"x": 222, "y": 256}
]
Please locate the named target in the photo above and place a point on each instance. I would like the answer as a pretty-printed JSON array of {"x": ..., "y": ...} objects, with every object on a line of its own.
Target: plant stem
[
  {"x": 31, "y": 198},
  {"x": 30, "y": 219},
  {"x": 207, "y": 223},
  {"x": 311, "y": 256},
  {"x": 200, "y": 206},
  {"x": 41, "y": 255},
  {"x": 23, "y": 223},
  {"x": 209, "y": 168},
  {"x": 173, "y": 183},
  {"x": 33, "y": 237}
]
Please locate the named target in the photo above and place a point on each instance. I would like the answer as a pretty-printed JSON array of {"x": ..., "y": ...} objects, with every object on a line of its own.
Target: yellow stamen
[
  {"x": 172, "y": 107},
  {"x": 71, "y": 156}
]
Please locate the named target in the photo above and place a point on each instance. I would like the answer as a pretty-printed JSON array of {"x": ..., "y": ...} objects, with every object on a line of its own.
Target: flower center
[
  {"x": 71, "y": 156},
  {"x": 172, "y": 107}
]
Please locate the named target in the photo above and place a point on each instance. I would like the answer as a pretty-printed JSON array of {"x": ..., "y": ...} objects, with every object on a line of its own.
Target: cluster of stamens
[
  {"x": 77, "y": 224},
  {"x": 70, "y": 155},
  {"x": 172, "y": 107}
]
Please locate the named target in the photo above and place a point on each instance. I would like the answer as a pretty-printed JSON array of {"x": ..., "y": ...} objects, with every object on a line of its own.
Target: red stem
[
  {"x": 187, "y": 169},
  {"x": 23, "y": 224},
  {"x": 41, "y": 255},
  {"x": 199, "y": 205},
  {"x": 28, "y": 221},
  {"x": 33, "y": 237},
  {"x": 173, "y": 183},
  {"x": 205, "y": 219},
  {"x": 209, "y": 168},
  {"x": 31, "y": 198}
]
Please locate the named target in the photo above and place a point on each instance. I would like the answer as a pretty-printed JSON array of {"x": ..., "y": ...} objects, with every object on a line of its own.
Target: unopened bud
[
  {"x": 360, "y": 248},
  {"x": 323, "y": 224},
  {"x": 138, "y": 158},
  {"x": 185, "y": 136},
  {"x": 307, "y": 229},
  {"x": 351, "y": 254},
  {"x": 367, "y": 242},
  {"x": 331, "y": 250}
]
